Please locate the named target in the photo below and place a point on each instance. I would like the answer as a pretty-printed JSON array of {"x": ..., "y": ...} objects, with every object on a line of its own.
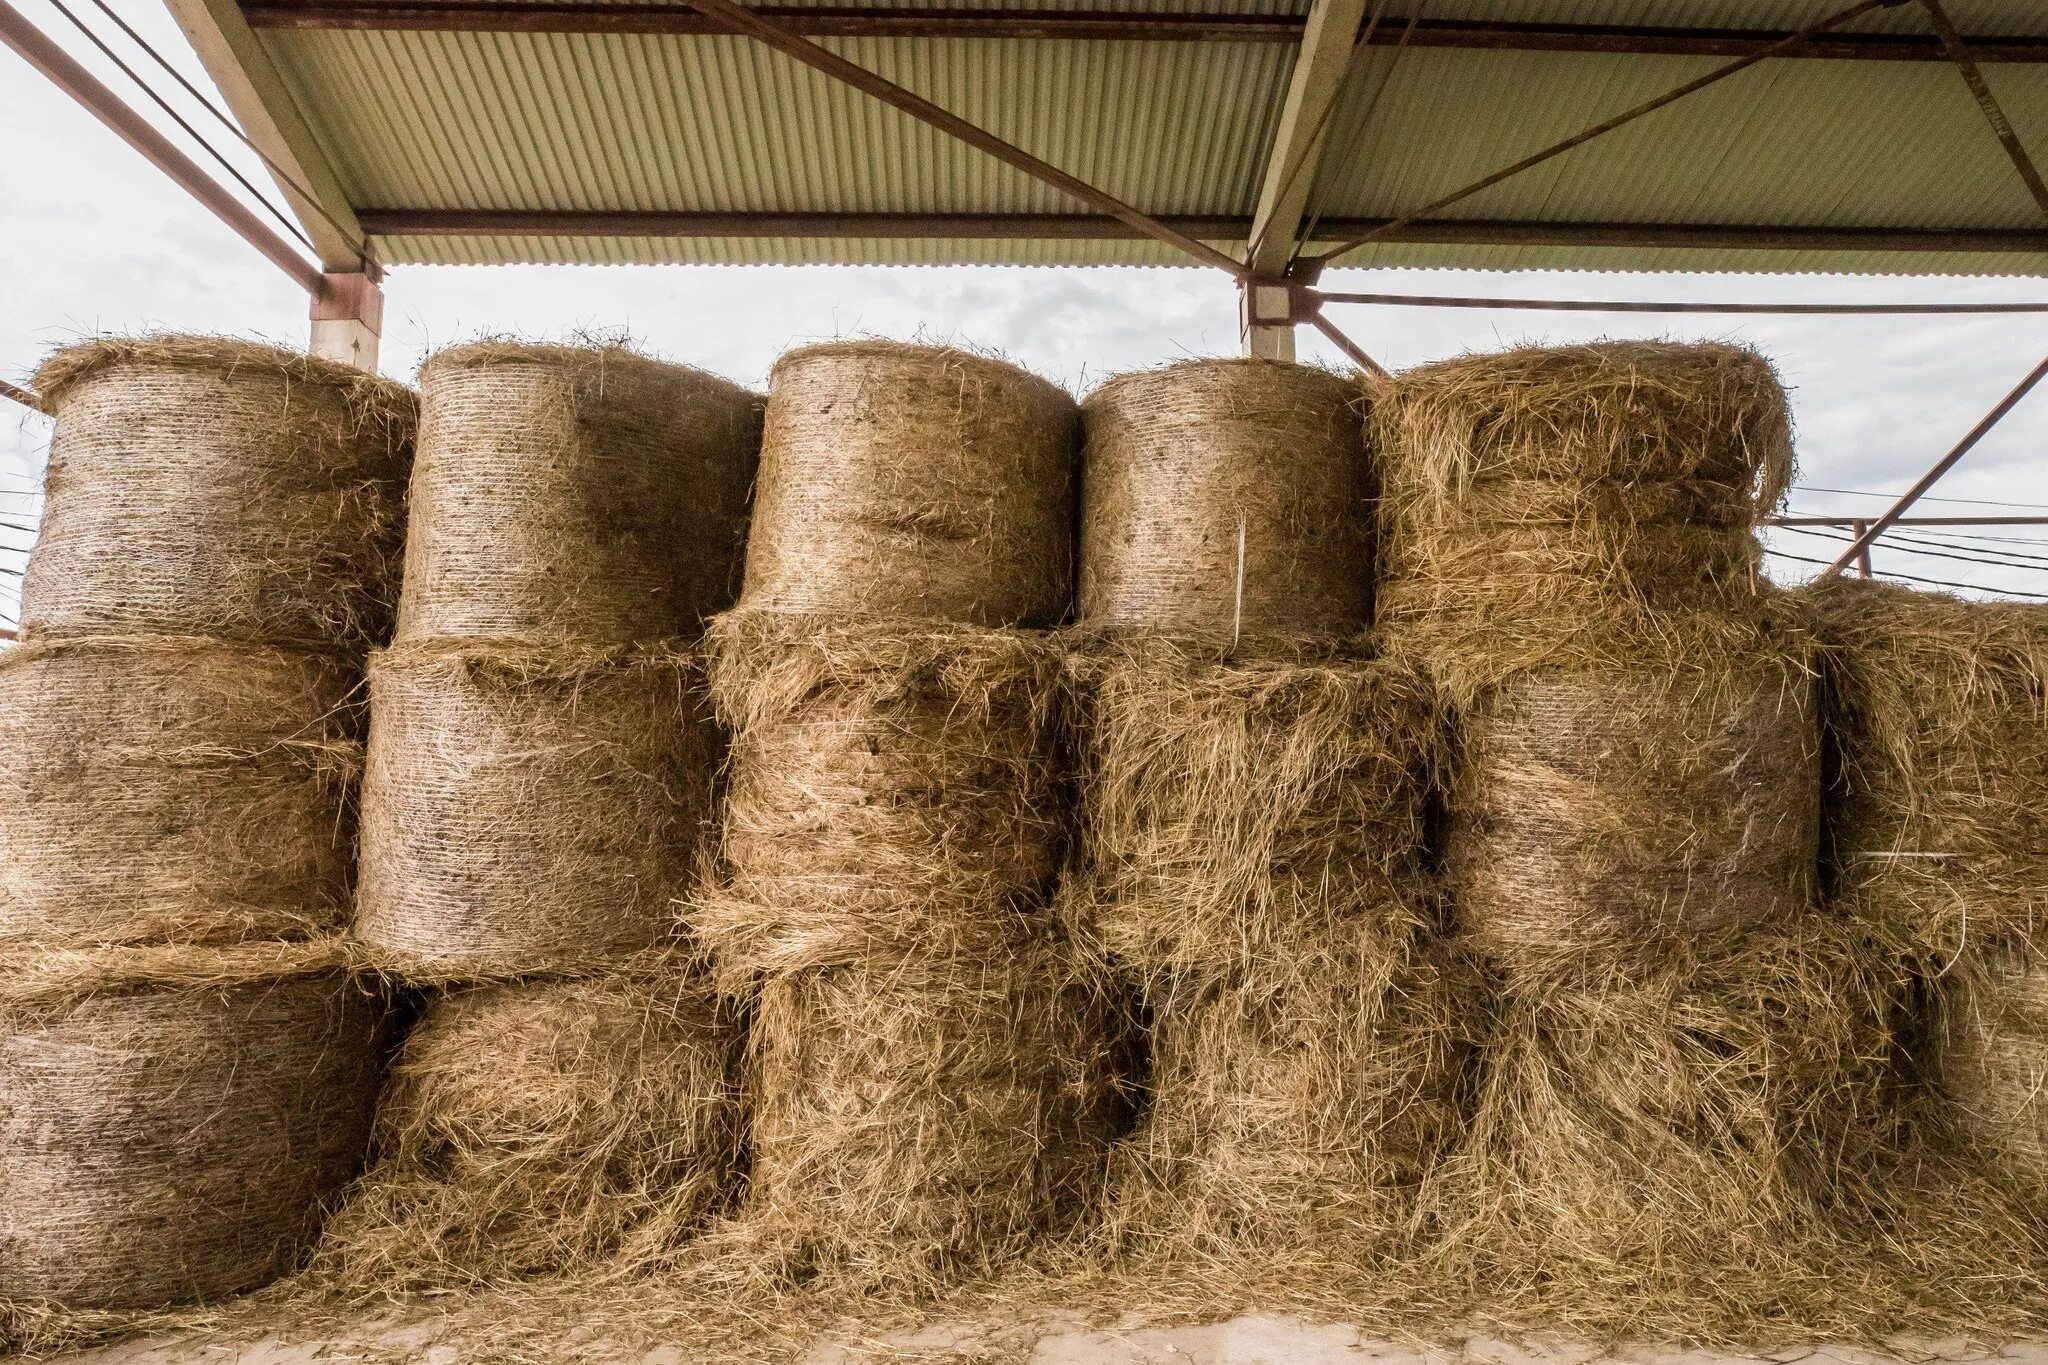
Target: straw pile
[
  {"x": 1993, "y": 1063},
  {"x": 162, "y": 788},
  {"x": 1222, "y": 494},
  {"x": 543, "y": 1127},
  {"x": 205, "y": 487},
  {"x": 913, "y": 481},
  {"x": 1940, "y": 716},
  {"x": 574, "y": 492},
  {"x": 1557, "y": 507},
  {"x": 528, "y": 809},
  {"x": 172, "y": 1120}
]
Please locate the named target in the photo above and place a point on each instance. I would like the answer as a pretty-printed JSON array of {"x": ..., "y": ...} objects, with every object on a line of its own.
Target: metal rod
[
  {"x": 74, "y": 80},
  {"x": 1719, "y": 73},
  {"x": 1633, "y": 306},
  {"x": 1910, "y": 521},
  {"x": 742, "y": 20},
  {"x": 1941, "y": 467},
  {"x": 1959, "y": 53},
  {"x": 22, "y": 396},
  {"x": 1860, "y": 530},
  {"x": 1350, "y": 348}
]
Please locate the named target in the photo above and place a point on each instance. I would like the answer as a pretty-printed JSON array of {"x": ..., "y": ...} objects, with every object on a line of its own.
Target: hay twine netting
[
  {"x": 1228, "y": 498},
  {"x": 174, "y": 1121},
  {"x": 208, "y": 487},
  {"x": 583, "y": 493},
  {"x": 529, "y": 809},
  {"x": 913, "y": 481},
  {"x": 917, "y": 1117},
  {"x": 1939, "y": 711},
  {"x": 1612, "y": 817},
  {"x": 891, "y": 785},
  {"x": 1539, "y": 504},
  {"x": 158, "y": 788},
  {"x": 545, "y": 1127}
]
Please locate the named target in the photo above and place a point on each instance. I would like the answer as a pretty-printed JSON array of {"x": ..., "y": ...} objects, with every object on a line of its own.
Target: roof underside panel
[{"x": 670, "y": 123}]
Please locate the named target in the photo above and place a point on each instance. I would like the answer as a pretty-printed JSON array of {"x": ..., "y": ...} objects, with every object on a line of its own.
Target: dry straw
[
  {"x": 1227, "y": 498},
  {"x": 914, "y": 481},
  {"x": 545, "y": 1127},
  {"x": 892, "y": 785},
  {"x": 1939, "y": 711},
  {"x": 1542, "y": 502},
  {"x": 1992, "y": 1056},
  {"x": 158, "y": 788},
  {"x": 918, "y": 1117},
  {"x": 529, "y": 809},
  {"x": 202, "y": 486},
  {"x": 1616, "y": 816},
  {"x": 174, "y": 1121},
  {"x": 582, "y": 493},
  {"x": 1233, "y": 811}
]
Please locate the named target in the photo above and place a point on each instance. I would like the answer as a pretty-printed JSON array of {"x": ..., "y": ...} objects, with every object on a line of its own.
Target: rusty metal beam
[
  {"x": 1958, "y": 52},
  {"x": 419, "y": 222},
  {"x": 1352, "y": 350},
  {"x": 15, "y": 393},
  {"x": 1639, "y": 306},
  {"x": 872, "y": 21},
  {"x": 103, "y": 104}
]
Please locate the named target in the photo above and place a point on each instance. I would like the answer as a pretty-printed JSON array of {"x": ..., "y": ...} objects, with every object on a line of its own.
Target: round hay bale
[
  {"x": 1938, "y": 713},
  {"x": 1227, "y": 498},
  {"x": 1296, "y": 1104},
  {"x": 202, "y": 486},
  {"x": 1602, "y": 818},
  {"x": 1548, "y": 501},
  {"x": 529, "y": 810},
  {"x": 159, "y": 788},
  {"x": 582, "y": 493},
  {"x": 891, "y": 786},
  {"x": 174, "y": 1122},
  {"x": 1232, "y": 812},
  {"x": 918, "y": 1116},
  {"x": 1992, "y": 1051},
  {"x": 541, "y": 1127},
  {"x": 914, "y": 481}
]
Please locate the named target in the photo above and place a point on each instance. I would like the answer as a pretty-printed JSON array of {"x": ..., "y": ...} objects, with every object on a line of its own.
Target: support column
[
  {"x": 1265, "y": 318},
  {"x": 348, "y": 320}
]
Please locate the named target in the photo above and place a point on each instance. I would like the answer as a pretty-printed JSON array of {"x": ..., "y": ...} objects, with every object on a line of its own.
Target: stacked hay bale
[
  {"x": 1630, "y": 841},
  {"x": 537, "y": 796},
  {"x": 186, "y": 1069},
  {"x": 930, "y": 1067},
  {"x": 1253, "y": 818}
]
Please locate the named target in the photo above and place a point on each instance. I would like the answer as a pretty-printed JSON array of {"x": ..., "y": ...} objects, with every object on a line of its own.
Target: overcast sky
[{"x": 93, "y": 239}]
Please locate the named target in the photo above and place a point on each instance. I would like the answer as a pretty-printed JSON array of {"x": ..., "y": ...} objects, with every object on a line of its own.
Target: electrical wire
[
  {"x": 1909, "y": 578},
  {"x": 1906, "y": 548},
  {"x": 1867, "y": 493},
  {"x": 1891, "y": 538}
]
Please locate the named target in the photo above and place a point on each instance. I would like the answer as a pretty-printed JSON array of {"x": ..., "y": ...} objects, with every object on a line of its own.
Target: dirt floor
[{"x": 1249, "y": 1340}]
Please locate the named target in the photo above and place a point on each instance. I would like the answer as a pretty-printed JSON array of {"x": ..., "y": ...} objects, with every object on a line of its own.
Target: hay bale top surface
[
  {"x": 910, "y": 363},
  {"x": 593, "y": 363},
  {"x": 1192, "y": 378},
  {"x": 1621, "y": 411},
  {"x": 1983, "y": 649},
  {"x": 373, "y": 399}
]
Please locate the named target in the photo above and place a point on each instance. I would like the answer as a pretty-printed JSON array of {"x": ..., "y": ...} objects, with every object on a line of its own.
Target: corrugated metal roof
[{"x": 424, "y": 120}]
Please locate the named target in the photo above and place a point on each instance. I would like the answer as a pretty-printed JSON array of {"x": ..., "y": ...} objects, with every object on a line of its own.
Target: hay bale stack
[
  {"x": 914, "y": 482},
  {"x": 173, "y": 1122},
  {"x": 1939, "y": 718},
  {"x": 1547, "y": 506},
  {"x": 204, "y": 487},
  {"x": 581, "y": 493},
  {"x": 529, "y": 809},
  {"x": 161, "y": 788},
  {"x": 1992, "y": 1055},
  {"x": 1222, "y": 498},
  {"x": 892, "y": 787},
  {"x": 1603, "y": 819},
  {"x": 917, "y": 1115},
  {"x": 543, "y": 1127}
]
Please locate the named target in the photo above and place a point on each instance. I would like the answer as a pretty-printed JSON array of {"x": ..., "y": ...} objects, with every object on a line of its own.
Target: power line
[
  {"x": 1866, "y": 493},
  {"x": 1906, "y": 547},
  {"x": 1909, "y": 578},
  {"x": 1977, "y": 549}
]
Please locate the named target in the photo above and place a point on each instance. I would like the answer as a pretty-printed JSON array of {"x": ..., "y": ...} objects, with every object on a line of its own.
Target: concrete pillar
[
  {"x": 1265, "y": 319},
  {"x": 348, "y": 320}
]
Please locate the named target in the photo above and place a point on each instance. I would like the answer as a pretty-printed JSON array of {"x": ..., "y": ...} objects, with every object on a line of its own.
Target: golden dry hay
[
  {"x": 1992, "y": 1054},
  {"x": 545, "y": 1127},
  {"x": 1612, "y": 817},
  {"x": 175, "y": 1121},
  {"x": 583, "y": 493},
  {"x": 529, "y": 809},
  {"x": 892, "y": 785},
  {"x": 1939, "y": 711},
  {"x": 915, "y": 482},
  {"x": 1226, "y": 498},
  {"x": 204, "y": 486},
  {"x": 162, "y": 788}
]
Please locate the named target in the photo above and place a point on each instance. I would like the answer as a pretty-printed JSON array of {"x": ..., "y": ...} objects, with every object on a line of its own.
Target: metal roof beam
[
  {"x": 868, "y": 21},
  {"x": 426, "y": 222},
  {"x": 1318, "y": 78}
]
